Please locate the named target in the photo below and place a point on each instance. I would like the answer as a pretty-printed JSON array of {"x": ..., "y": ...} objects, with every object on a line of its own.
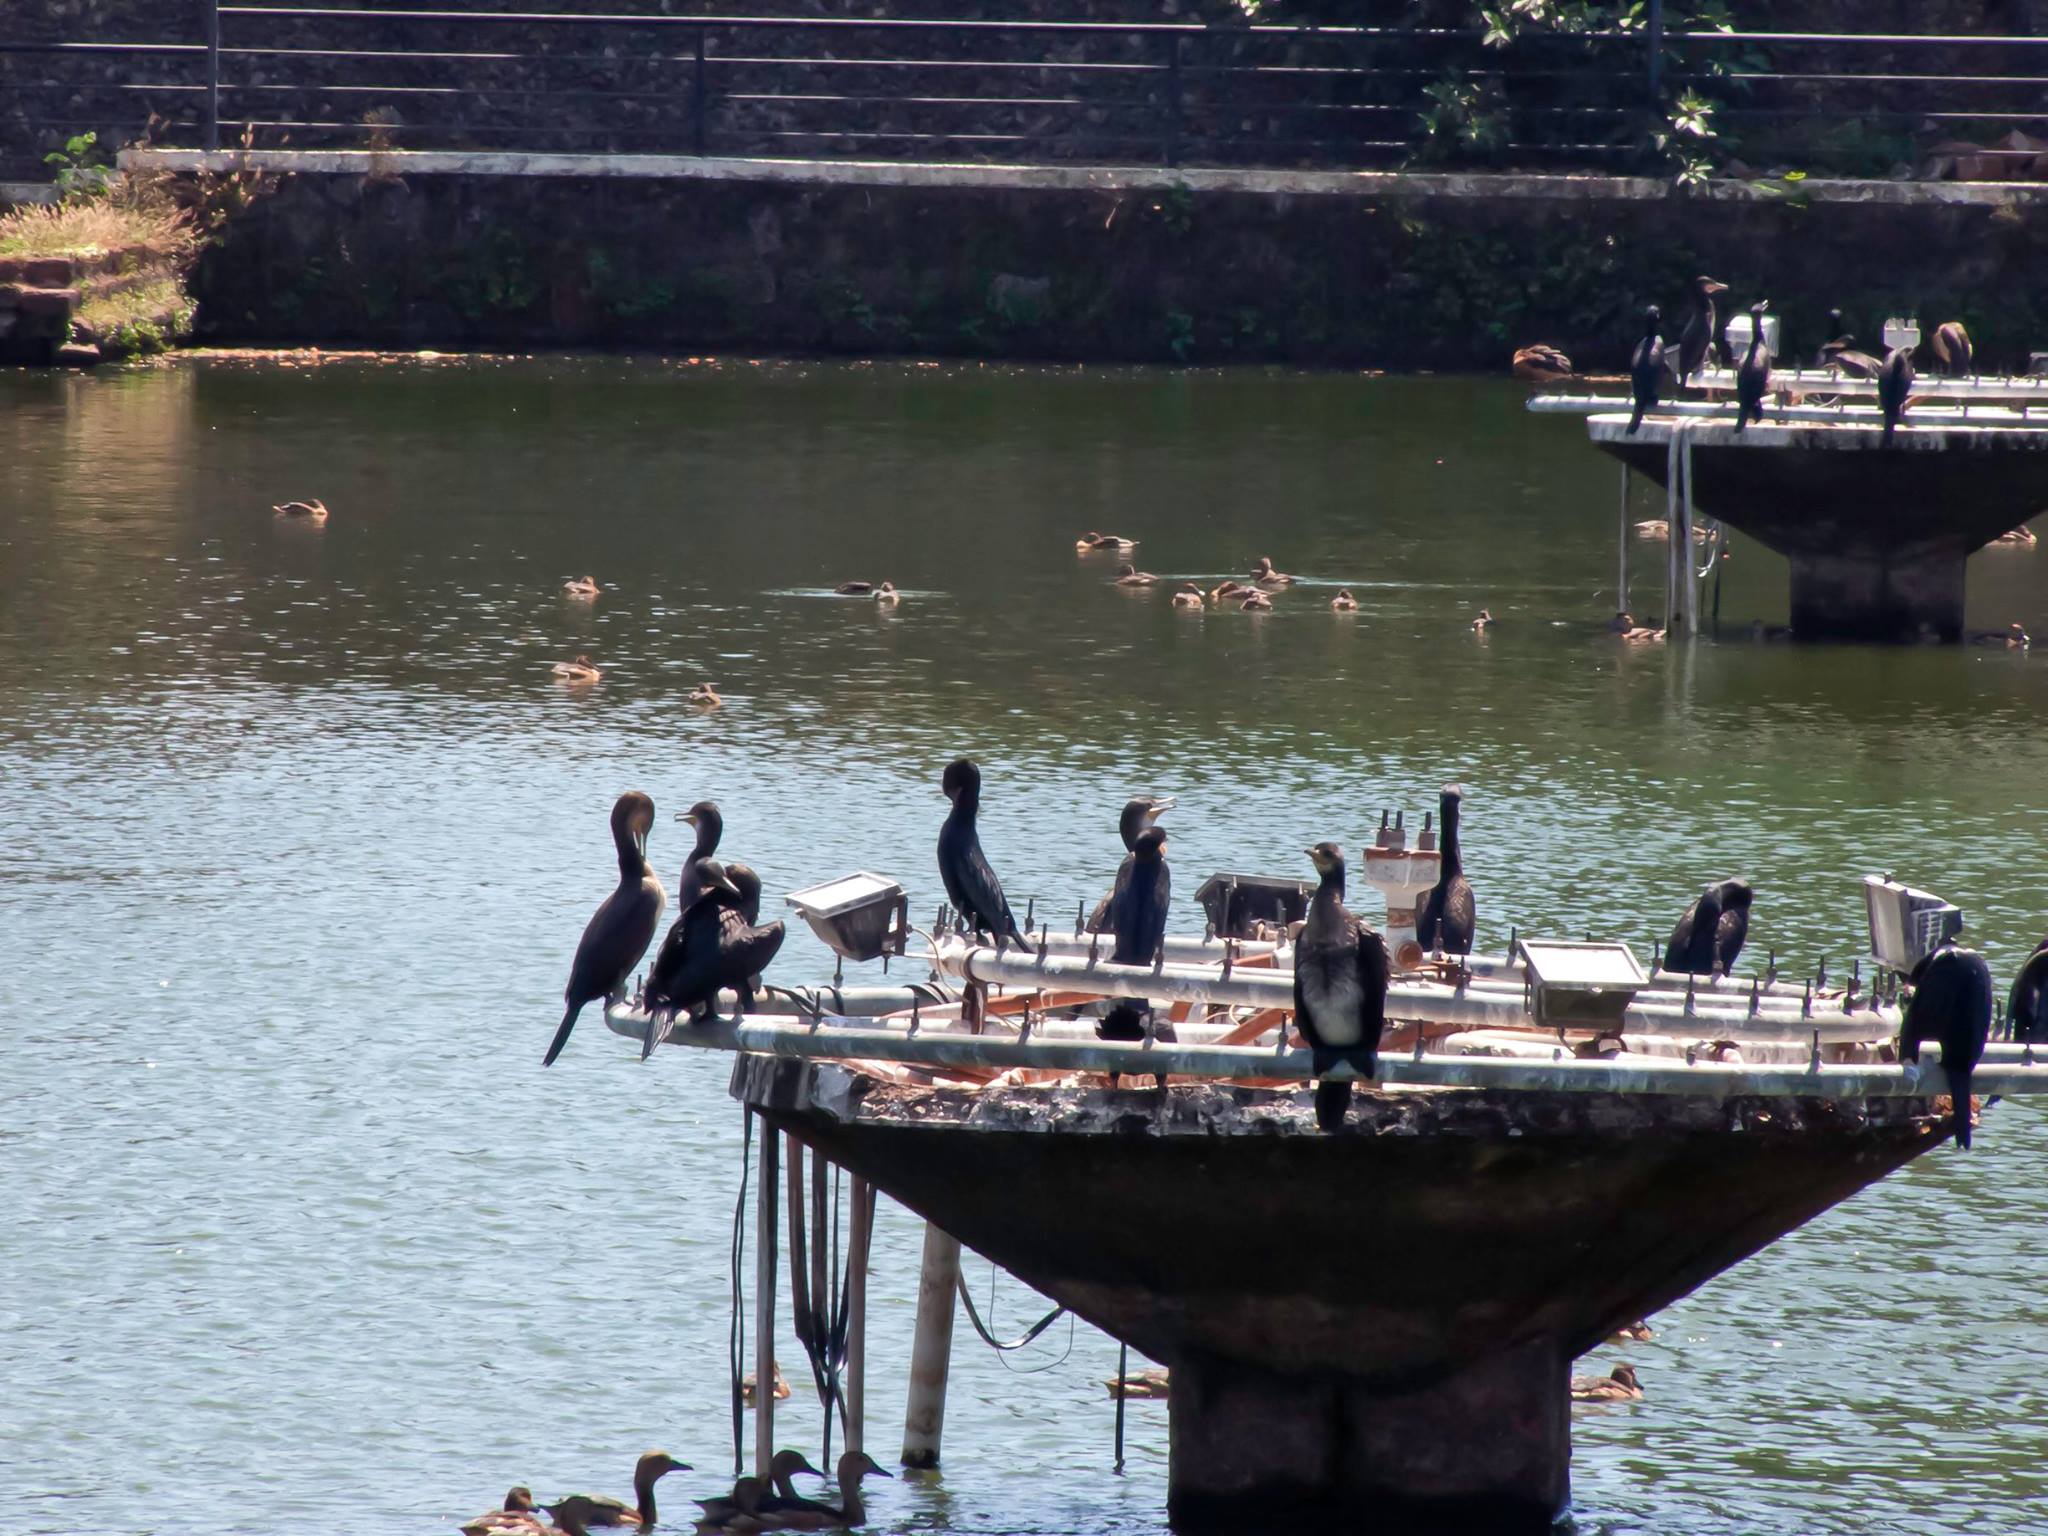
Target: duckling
[
  {"x": 1266, "y": 576},
  {"x": 1128, "y": 575},
  {"x": 704, "y": 696},
  {"x": 1255, "y": 602},
  {"x": 578, "y": 672},
  {"x": 1620, "y": 1386},
  {"x": 1344, "y": 602},
  {"x": 595, "y": 1509},
  {"x": 1189, "y": 596},
  {"x": 582, "y": 588},
  {"x": 750, "y": 1389},
  {"x": 1483, "y": 623},
  {"x": 314, "y": 511},
  {"x": 1227, "y": 591},
  {"x": 854, "y": 588},
  {"x": 520, "y": 1515},
  {"x": 1632, "y": 1333},
  {"x": 1542, "y": 364},
  {"x": 1106, "y": 541},
  {"x": 887, "y": 595},
  {"x": 1140, "y": 1386}
]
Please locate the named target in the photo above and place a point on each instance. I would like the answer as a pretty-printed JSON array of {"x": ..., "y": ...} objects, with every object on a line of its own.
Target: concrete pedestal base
[
  {"x": 1487, "y": 1450},
  {"x": 1852, "y": 597}
]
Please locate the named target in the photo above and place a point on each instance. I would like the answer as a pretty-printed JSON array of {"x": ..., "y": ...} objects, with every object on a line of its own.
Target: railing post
[
  {"x": 212, "y": 73},
  {"x": 1173, "y": 100},
  {"x": 697, "y": 100},
  {"x": 1656, "y": 32}
]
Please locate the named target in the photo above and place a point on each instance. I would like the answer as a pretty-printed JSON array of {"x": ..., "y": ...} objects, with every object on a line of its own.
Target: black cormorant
[
  {"x": 1953, "y": 354},
  {"x": 619, "y": 932},
  {"x": 1144, "y": 887},
  {"x": 1698, "y": 335},
  {"x": 1445, "y": 921},
  {"x": 1950, "y": 1005},
  {"x": 1753, "y": 378},
  {"x": 1838, "y": 340},
  {"x": 1139, "y": 812},
  {"x": 1893, "y": 386},
  {"x": 686, "y": 974},
  {"x": 2026, "y": 1007},
  {"x": 971, "y": 886},
  {"x": 1340, "y": 987},
  {"x": 745, "y": 944},
  {"x": 1733, "y": 929},
  {"x": 1693, "y": 942},
  {"x": 1646, "y": 367},
  {"x": 710, "y": 827}
]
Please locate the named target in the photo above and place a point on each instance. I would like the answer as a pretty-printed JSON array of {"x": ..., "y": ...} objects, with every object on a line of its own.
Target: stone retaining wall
[{"x": 60, "y": 309}]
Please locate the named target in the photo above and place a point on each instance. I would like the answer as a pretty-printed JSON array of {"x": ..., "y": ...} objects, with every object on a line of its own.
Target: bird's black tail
[
  {"x": 1886, "y": 440},
  {"x": 1635, "y": 418},
  {"x": 562, "y": 1034},
  {"x": 1959, "y": 1090},
  {"x": 1333, "y": 1098}
]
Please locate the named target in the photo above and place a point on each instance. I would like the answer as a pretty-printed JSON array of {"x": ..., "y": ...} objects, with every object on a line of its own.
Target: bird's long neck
[
  {"x": 632, "y": 862},
  {"x": 643, "y": 1496},
  {"x": 1452, "y": 861},
  {"x": 854, "y": 1511},
  {"x": 1756, "y": 342},
  {"x": 966, "y": 805},
  {"x": 1330, "y": 893}
]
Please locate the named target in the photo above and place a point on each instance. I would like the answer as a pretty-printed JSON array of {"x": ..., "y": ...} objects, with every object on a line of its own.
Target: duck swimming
[
  {"x": 1619, "y": 1386},
  {"x": 704, "y": 696},
  {"x": 854, "y": 588},
  {"x": 736, "y": 1511},
  {"x": 750, "y": 1388},
  {"x": 1255, "y": 602},
  {"x": 596, "y": 1509},
  {"x": 1129, "y": 576},
  {"x": 623, "y": 925},
  {"x": 2013, "y": 637},
  {"x": 1108, "y": 541},
  {"x": 519, "y": 1516},
  {"x": 580, "y": 671},
  {"x": 1227, "y": 590},
  {"x": 1189, "y": 596},
  {"x": 314, "y": 511},
  {"x": 582, "y": 588},
  {"x": 1150, "y": 1385},
  {"x": 1344, "y": 602},
  {"x": 853, "y": 1466},
  {"x": 887, "y": 595},
  {"x": 1483, "y": 622},
  {"x": 2022, "y": 536},
  {"x": 1265, "y": 576},
  {"x": 1340, "y": 988}
]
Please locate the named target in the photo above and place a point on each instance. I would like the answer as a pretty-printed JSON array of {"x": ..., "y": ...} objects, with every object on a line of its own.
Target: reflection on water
[{"x": 303, "y": 830}]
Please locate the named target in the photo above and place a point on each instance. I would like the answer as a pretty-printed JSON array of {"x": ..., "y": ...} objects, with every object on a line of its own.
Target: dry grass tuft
[{"x": 131, "y": 213}]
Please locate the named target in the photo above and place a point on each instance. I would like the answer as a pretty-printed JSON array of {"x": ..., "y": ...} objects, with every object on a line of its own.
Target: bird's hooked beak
[
  {"x": 724, "y": 883},
  {"x": 1715, "y": 288},
  {"x": 689, "y": 816},
  {"x": 1160, "y": 807}
]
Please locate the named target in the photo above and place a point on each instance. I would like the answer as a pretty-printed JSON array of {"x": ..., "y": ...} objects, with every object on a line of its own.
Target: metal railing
[{"x": 1168, "y": 93}]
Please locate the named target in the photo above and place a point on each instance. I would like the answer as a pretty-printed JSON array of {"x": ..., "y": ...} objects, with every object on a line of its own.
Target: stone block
[
  {"x": 46, "y": 301},
  {"x": 75, "y": 355},
  {"x": 49, "y": 272}
]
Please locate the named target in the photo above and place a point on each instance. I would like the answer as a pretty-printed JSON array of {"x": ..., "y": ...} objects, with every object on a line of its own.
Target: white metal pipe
[
  {"x": 931, "y": 1348},
  {"x": 1986, "y": 418}
]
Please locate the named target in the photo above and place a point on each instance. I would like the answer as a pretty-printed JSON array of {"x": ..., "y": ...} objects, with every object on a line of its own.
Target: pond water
[{"x": 301, "y": 833}]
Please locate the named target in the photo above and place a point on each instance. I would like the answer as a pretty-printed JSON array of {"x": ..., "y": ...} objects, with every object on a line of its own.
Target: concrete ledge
[{"x": 1062, "y": 178}]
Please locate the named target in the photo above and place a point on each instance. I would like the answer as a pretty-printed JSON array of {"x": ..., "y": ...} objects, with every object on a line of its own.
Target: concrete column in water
[
  {"x": 1251, "y": 1448},
  {"x": 1873, "y": 597},
  {"x": 859, "y": 1237},
  {"x": 931, "y": 1350},
  {"x": 765, "y": 1248}
]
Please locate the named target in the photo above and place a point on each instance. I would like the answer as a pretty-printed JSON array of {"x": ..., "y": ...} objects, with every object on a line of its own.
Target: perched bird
[
  {"x": 709, "y": 824},
  {"x": 596, "y": 1509},
  {"x": 1950, "y": 1005},
  {"x": 746, "y": 945},
  {"x": 1619, "y": 1386},
  {"x": 1139, "y": 812},
  {"x": 519, "y": 1516},
  {"x": 623, "y": 925},
  {"x": 2026, "y": 1006},
  {"x": 1646, "y": 367},
  {"x": 1106, "y": 541},
  {"x": 1226, "y": 590},
  {"x": 704, "y": 696},
  {"x": 887, "y": 595},
  {"x": 581, "y": 670},
  {"x": 1189, "y": 596},
  {"x": 971, "y": 885},
  {"x": 1255, "y": 602},
  {"x": 1841, "y": 353},
  {"x": 314, "y": 511},
  {"x": 1838, "y": 340},
  {"x": 1893, "y": 386},
  {"x": 1137, "y": 915},
  {"x": 1733, "y": 929},
  {"x": 1265, "y": 576},
  {"x": 1698, "y": 336},
  {"x": 1344, "y": 602},
  {"x": 1483, "y": 622},
  {"x": 1341, "y": 973},
  {"x": 1691, "y": 949},
  {"x": 1445, "y": 921},
  {"x": 582, "y": 588},
  {"x": 1128, "y": 575},
  {"x": 688, "y": 972},
  {"x": 1753, "y": 378},
  {"x": 1541, "y": 364},
  {"x": 854, "y": 588},
  {"x": 1953, "y": 354}
]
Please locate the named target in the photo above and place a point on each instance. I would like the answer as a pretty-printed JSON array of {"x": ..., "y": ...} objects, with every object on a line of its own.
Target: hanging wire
[
  {"x": 1005, "y": 1349},
  {"x": 1123, "y": 1386},
  {"x": 736, "y": 1334}
]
